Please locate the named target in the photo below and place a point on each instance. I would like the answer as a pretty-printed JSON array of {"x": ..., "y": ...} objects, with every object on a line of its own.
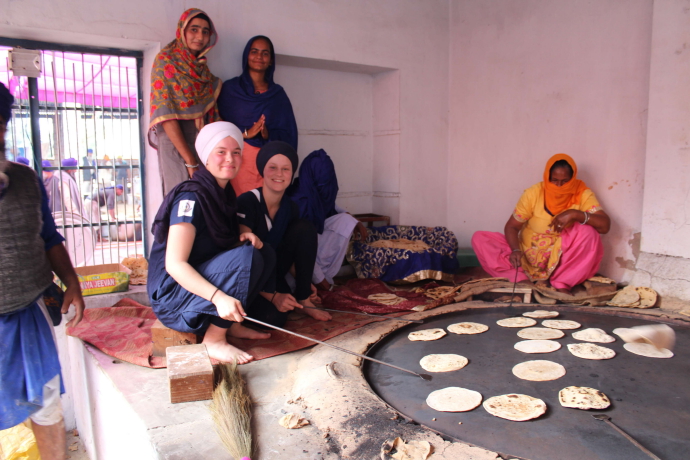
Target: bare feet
[
  {"x": 315, "y": 312},
  {"x": 218, "y": 347},
  {"x": 242, "y": 332}
]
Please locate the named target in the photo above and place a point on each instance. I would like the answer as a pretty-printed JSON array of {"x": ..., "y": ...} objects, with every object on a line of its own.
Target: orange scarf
[{"x": 558, "y": 199}]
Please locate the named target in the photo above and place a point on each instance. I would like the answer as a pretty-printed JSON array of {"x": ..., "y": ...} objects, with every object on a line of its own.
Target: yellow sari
[{"x": 541, "y": 245}]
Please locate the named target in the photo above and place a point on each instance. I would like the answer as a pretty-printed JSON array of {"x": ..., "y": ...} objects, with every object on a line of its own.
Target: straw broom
[{"x": 231, "y": 410}]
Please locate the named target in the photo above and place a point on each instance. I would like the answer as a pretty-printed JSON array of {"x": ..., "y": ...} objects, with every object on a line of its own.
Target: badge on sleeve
[{"x": 186, "y": 208}]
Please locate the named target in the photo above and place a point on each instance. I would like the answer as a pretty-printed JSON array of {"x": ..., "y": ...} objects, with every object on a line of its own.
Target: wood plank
[
  {"x": 190, "y": 374},
  {"x": 526, "y": 292},
  {"x": 164, "y": 337}
]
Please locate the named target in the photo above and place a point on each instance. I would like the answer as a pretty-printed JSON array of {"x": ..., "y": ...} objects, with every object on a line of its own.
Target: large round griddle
[{"x": 650, "y": 397}]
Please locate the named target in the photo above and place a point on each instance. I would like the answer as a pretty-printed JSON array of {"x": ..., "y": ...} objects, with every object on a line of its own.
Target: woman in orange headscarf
[
  {"x": 553, "y": 234},
  {"x": 183, "y": 97}
]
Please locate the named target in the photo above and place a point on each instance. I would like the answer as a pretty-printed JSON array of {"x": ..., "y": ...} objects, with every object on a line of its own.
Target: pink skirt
[{"x": 581, "y": 255}]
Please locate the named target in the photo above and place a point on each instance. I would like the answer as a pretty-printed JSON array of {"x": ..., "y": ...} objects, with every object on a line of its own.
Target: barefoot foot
[
  {"x": 218, "y": 347},
  {"x": 242, "y": 332},
  {"x": 314, "y": 312}
]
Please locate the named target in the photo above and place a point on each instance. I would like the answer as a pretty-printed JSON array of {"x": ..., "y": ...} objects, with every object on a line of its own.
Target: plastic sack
[{"x": 18, "y": 443}]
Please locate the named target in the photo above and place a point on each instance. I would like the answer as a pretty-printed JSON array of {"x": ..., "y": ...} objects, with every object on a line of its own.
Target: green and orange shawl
[{"x": 182, "y": 86}]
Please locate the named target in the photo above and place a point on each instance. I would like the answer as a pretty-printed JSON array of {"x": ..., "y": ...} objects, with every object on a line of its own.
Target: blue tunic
[
  {"x": 228, "y": 270},
  {"x": 28, "y": 356}
]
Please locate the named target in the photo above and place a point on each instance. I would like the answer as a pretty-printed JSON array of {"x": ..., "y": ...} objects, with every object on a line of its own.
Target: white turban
[{"x": 211, "y": 134}]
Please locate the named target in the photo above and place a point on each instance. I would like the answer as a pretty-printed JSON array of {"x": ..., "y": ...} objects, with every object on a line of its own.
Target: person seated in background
[
  {"x": 270, "y": 214},
  {"x": 63, "y": 191},
  {"x": 183, "y": 97},
  {"x": 202, "y": 275},
  {"x": 105, "y": 197},
  {"x": 259, "y": 107},
  {"x": 315, "y": 191},
  {"x": 553, "y": 235}
]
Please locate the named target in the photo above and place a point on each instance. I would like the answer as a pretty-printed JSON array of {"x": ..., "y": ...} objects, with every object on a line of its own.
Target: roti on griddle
[
  {"x": 443, "y": 363},
  {"x": 538, "y": 370},
  {"x": 537, "y": 346},
  {"x": 515, "y": 407},
  {"x": 454, "y": 399},
  {"x": 467, "y": 328},
  {"x": 593, "y": 334},
  {"x": 541, "y": 314},
  {"x": 516, "y": 322},
  {"x": 590, "y": 351},
  {"x": 560, "y": 324},
  {"x": 583, "y": 398},
  {"x": 426, "y": 335},
  {"x": 540, "y": 333},
  {"x": 648, "y": 350}
]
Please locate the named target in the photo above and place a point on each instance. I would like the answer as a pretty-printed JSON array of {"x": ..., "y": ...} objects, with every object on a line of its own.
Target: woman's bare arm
[{"x": 512, "y": 234}]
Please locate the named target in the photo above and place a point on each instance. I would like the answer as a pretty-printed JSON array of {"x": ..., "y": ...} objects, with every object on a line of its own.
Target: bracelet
[
  {"x": 191, "y": 166},
  {"x": 517, "y": 250},
  {"x": 274, "y": 296},
  {"x": 586, "y": 218},
  {"x": 213, "y": 295},
  {"x": 246, "y": 134}
]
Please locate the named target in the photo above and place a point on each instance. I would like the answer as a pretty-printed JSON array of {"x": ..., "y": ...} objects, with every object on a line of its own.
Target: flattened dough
[
  {"x": 540, "y": 333},
  {"x": 537, "y": 346},
  {"x": 560, "y": 324},
  {"x": 443, "y": 363},
  {"x": 593, "y": 334},
  {"x": 539, "y": 370},
  {"x": 516, "y": 322},
  {"x": 541, "y": 314},
  {"x": 648, "y": 350},
  {"x": 590, "y": 351},
  {"x": 467, "y": 328},
  {"x": 454, "y": 399},
  {"x": 515, "y": 407},
  {"x": 583, "y": 398},
  {"x": 426, "y": 335}
]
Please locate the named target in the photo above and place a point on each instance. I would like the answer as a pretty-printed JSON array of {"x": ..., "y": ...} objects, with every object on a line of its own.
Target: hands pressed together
[{"x": 258, "y": 128}]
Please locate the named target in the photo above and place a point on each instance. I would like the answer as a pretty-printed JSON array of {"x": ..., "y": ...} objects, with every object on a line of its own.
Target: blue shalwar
[{"x": 28, "y": 355}]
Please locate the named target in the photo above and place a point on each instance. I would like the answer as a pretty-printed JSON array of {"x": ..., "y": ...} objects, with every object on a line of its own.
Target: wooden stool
[
  {"x": 190, "y": 374},
  {"x": 164, "y": 337},
  {"x": 370, "y": 218},
  {"x": 527, "y": 292}
]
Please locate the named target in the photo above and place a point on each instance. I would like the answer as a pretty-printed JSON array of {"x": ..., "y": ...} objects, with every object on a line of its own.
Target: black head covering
[
  {"x": 6, "y": 100},
  {"x": 219, "y": 207},
  {"x": 276, "y": 148}
]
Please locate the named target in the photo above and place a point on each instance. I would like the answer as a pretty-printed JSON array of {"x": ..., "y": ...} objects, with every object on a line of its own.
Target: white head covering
[{"x": 211, "y": 134}]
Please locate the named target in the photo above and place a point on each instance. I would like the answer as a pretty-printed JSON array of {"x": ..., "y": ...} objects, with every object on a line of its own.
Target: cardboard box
[{"x": 102, "y": 279}]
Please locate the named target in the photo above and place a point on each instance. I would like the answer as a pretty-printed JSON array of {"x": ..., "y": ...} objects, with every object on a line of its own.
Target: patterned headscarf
[
  {"x": 558, "y": 199},
  {"x": 182, "y": 86}
]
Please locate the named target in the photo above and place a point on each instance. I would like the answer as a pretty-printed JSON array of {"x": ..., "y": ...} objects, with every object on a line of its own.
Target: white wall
[
  {"x": 533, "y": 78},
  {"x": 666, "y": 227}
]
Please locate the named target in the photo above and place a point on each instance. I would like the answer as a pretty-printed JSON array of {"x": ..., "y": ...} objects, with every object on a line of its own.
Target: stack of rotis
[{"x": 634, "y": 297}]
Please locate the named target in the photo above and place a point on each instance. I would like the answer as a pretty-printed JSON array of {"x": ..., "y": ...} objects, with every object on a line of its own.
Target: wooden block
[
  {"x": 164, "y": 337},
  {"x": 526, "y": 292},
  {"x": 190, "y": 373}
]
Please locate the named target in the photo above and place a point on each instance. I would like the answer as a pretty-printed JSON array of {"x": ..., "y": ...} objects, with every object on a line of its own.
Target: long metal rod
[
  {"x": 391, "y": 318},
  {"x": 607, "y": 419},
  {"x": 423, "y": 376}
]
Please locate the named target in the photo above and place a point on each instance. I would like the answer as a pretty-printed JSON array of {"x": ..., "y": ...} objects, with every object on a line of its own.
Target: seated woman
[
  {"x": 202, "y": 274},
  {"x": 553, "y": 234},
  {"x": 259, "y": 107},
  {"x": 270, "y": 214},
  {"x": 315, "y": 191}
]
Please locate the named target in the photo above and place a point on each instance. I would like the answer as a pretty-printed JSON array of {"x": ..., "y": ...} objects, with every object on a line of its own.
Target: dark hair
[
  {"x": 204, "y": 17},
  {"x": 561, "y": 164},
  {"x": 263, "y": 37}
]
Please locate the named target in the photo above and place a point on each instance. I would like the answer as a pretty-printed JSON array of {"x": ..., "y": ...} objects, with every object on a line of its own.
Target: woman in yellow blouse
[{"x": 552, "y": 235}]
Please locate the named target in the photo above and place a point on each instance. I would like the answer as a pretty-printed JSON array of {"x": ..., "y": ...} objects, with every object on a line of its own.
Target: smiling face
[
  {"x": 197, "y": 34},
  {"x": 259, "y": 55},
  {"x": 560, "y": 176},
  {"x": 225, "y": 160},
  {"x": 278, "y": 173}
]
